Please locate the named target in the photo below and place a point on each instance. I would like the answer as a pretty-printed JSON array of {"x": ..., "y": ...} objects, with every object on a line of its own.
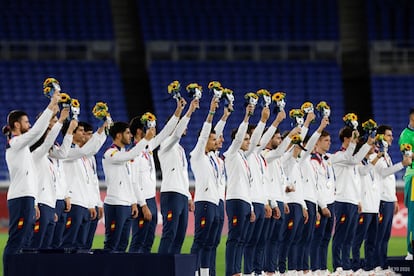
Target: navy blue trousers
[
  {"x": 217, "y": 238},
  {"x": 253, "y": 235},
  {"x": 305, "y": 241},
  {"x": 117, "y": 227},
  {"x": 321, "y": 238},
  {"x": 272, "y": 250},
  {"x": 44, "y": 227},
  {"x": 77, "y": 225},
  {"x": 238, "y": 215},
  {"x": 292, "y": 231},
  {"x": 143, "y": 232},
  {"x": 93, "y": 224},
  {"x": 21, "y": 221},
  {"x": 60, "y": 224},
  {"x": 206, "y": 221},
  {"x": 174, "y": 210},
  {"x": 346, "y": 219},
  {"x": 366, "y": 231},
  {"x": 386, "y": 214}
]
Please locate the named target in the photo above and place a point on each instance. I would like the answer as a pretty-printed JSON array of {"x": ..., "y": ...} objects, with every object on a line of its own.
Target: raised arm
[
  {"x": 180, "y": 128},
  {"x": 258, "y": 131},
  {"x": 200, "y": 148},
  {"x": 62, "y": 151},
  {"x": 241, "y": 132}
]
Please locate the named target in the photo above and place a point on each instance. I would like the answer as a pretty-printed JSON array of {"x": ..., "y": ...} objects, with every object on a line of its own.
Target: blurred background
[{"x": 358, "y": 56}]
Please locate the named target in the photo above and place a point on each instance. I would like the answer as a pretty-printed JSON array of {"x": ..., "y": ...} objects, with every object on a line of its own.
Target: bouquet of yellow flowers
[
  {"x": 65, "y": 100},
  {"x": 279, "y": 99},
  {"x": 148, "y": 120},
  {"x": 75, "y": 108},
  {"x": 323, "y": 109},
  {"x": 265, "y": 96},
  {"x": 307, "y": 107},
  {"x": 50, "y": 85},
  {"x": 406, "y": 149},
  {"x": 174, "y": 90},
  {"x": 228, "y": 98},
  {"x": 296, "y": 139},
  {"x": 194, "y": 90},
  {"x": 216, "y": 88},
  {"x": 101, "y": 112},
  {"x": 297, "y": 116},
  {"x": 250, "y": 98},
  {"x": 370, "y": 128},
  {"x": 380, "y": 142},
  {"x": 351, "y": 120}
]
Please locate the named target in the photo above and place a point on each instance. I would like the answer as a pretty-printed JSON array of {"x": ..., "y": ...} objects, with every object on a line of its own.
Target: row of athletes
[{"x": 281, "y": 198}]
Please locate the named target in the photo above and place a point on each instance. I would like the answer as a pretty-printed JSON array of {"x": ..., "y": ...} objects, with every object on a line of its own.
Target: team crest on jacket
[
  {"x": 169, "y": 215},
  {"x": 68, "y": 222},
  {"x": 234, "y": 221},
  {"x": 290, "y": 224},
  {"x": 20, "y": 223},
  {"x": 342, "y": 219}
]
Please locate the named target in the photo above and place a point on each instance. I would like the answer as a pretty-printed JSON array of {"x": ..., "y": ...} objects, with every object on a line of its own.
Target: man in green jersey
[{"x": 407, "y": 137}]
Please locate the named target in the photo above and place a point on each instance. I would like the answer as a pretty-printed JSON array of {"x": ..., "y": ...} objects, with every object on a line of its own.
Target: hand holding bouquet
[
  {"x": 101, "y": 112},
  {"x": 265, "y": 97},
  {"x": 250, "y": 98},
  {"x": 50, "y": 85},
  {"x": 279, "y": 99},
  {"x": 174, "y": 90}
]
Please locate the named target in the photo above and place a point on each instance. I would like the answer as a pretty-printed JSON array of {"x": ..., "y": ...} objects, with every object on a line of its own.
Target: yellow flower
[
  {"x": 64, "y": 98},
  {"x": 214, "y": 84},
  {"x": 192, "y": 86},
  {"x": 251, "y": 95},
  {"x": 369, "y": 125},
  {"x": 406, "y": 147},
  {"x": 296, "y": 139},
  {"x": 263, "y": 92},
  {"x": 227, "y": 91},
  {"x": 75, "y": 103},
  {"x": 379, "y": 137},
  {"x": 296, "y": 113},
  {"x": 306, "y": 105},
  {"x": 100, "y": 110},
  {"x": 278, "y": 96},
  {"x": 174, "y": 87},
  {"x": 49, "y": 81},
  {"x": 148, "y": 116},
  {"x": 322, "y": 105},
  {"x": 350, "y": 117}
]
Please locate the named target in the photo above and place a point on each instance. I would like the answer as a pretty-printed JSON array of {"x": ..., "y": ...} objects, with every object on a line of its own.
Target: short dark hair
[
  {"x": 86, "y": 126},
  {"x": 117, "y": 127},
  {"x": 411, "y": 110},
  {"x": 251, "y": 128},
  {"x": 382, "y": 128},
  {"x": 345, "y": 132},
  {"x": 66, "y": 124},
  {"x": 14, "y": 116},
  {"x": 324, "y": 133},
  {"x": 285, "y": 134},
  {"x": 135, "y": 124}
]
